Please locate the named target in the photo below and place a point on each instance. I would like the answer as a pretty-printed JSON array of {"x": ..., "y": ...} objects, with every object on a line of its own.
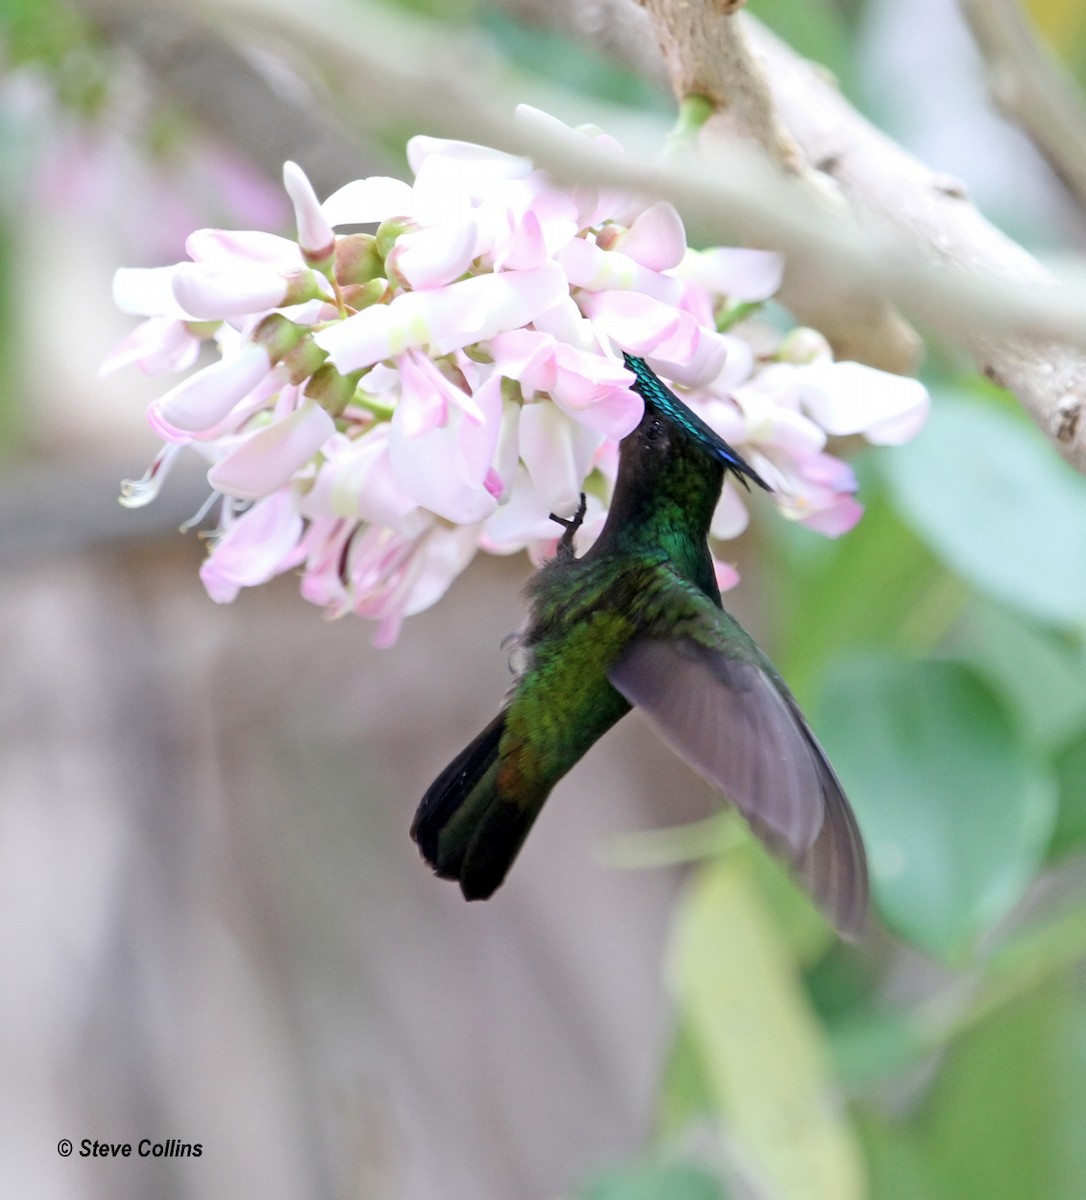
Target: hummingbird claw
[{"x": 570, "y": 525}]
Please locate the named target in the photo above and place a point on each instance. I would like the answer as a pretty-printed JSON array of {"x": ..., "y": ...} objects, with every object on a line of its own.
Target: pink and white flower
[{"x": 385, "y": 405}]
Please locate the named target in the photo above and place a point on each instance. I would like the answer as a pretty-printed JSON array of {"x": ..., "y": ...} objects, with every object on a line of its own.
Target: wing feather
[{"x": 723, "y": 709}]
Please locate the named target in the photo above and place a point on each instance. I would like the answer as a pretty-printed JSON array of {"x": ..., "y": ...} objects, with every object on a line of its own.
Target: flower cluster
[{"x": 382, "y": 405}]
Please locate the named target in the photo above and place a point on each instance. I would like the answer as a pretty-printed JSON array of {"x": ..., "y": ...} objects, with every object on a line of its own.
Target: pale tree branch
[
  {"x": 1030, "y": 87},
  {"x": 1044, "y": 367},
  {"x": 188, "y": 61},
  {"x": 708, "y": 53},
  {"x": 922, "y": 211}
]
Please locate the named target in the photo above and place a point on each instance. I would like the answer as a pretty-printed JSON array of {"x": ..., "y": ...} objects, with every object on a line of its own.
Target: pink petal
[
  {"x": 213, "y": 292},
  {"x": 526, "y": 246},
  {"x": 524, "y": 518},
  {"x": 741, "y": 275},
  {"x": 442, "y": 557},
  {"x": 147, "y": 292},
  {"x": 686, "y": 352},
  {"x": 657, "y": 238},
  {"x": 836, "y": 519},
  {"x": 203, "y": 400},
  {"x": 595, "y": 391},
  {"x": 445, "y": 469},
  {"x": 448, "y": 318},
  {"x": 557, "y": 453},
  {"x": 315, "y": 236},
  {"x": 465, "y": 162},
  {"x": 427, "y": 395},
  {"x": 436, "y": 256},
  {"x": 526, "y": 356},
  {"x": 253, "y": 548},
  {"x": 596, "y": 270},
  {"x": 774, "y": 425},
  {"x": 226, "y": 248},
  {"x": 731, "y": 516},
  {"x": 726, "y": 575},
  {"x": 566, "y": 322},
  {"x": 157, "y": 345},
  {"x": 267, "y": 459},
  {"x": 356, "y": 481}
]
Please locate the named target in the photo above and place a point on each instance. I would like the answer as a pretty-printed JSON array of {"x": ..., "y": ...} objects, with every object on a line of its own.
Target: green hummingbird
[{"x": 638, "y": 620}]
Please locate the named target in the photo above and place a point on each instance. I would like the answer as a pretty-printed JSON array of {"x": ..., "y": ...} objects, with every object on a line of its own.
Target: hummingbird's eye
[{"x": 655, "y": 430}]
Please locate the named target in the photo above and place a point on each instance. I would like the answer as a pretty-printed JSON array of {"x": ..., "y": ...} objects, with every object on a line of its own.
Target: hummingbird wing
[{"x": 717, "y": 701}]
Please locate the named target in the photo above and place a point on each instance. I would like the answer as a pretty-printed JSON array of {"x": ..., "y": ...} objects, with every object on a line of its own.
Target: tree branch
[
  {"x": 890, "y": 189},
  {"x": 187, "y": 60},
  {"x": 1044, "y": 366},
  {"x": 1029, "y": 86},
  {"x": 708, "y": 53}
]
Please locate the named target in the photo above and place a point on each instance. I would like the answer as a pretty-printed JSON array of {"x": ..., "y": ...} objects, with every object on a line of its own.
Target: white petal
[
  {"x": 368, "y": 201},
  {"x": 850, "y": 397},
  {"x": 315, "y": 234},
  {"x": 147, "y": 292}
]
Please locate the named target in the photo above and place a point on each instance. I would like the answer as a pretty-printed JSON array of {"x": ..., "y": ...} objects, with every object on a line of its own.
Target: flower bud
[
  {"x": 331, "y": 390},
  {"x": 357, "y": 259},
  {"x": 804, "y": 345},
  {"x": 357, "y": 296},
  {"x": 388, "y": 231},
  {"x": 303, "y": 359},
  {"x": 278, "y": 335}
]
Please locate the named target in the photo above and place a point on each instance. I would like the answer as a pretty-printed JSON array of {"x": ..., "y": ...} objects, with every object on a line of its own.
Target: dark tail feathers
[{"x": 465, "y": 830}]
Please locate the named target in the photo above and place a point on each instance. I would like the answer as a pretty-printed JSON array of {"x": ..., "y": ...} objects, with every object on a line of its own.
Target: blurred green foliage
[{"x": 940, "y": 648}]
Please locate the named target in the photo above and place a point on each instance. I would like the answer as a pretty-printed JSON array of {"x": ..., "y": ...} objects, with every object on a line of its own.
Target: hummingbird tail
[{"x": 465, "y": 829}]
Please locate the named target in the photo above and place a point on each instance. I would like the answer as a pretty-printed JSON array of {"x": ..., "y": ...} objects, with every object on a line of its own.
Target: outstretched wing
[{"x": 716, "y": 700}]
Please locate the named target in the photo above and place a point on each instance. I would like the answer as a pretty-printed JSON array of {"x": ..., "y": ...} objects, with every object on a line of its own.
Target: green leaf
[
  {"x": 995, "y": 501},
  {"x": 654, "y": 1181},
  {"x": 1005, "y": 1118},
  {"x": 1070, "y": 763},
  {"x": 896, "y": 1165},
  {"x": 1040, "y": 675},
  {"x": 862, "y": 590},
  {"x": 954, "y": 809},
  {"x": 685, "y": 1093},
  {"x": 872, "y": 1045},
  {"x": 761, "y": 1048}
]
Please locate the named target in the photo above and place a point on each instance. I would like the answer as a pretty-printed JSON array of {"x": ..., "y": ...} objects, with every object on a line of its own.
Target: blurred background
[{"x": 214, "y": 927}]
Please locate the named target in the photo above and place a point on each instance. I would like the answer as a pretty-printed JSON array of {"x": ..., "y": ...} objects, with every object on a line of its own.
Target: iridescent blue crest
[{"x": 663, "y": 400}]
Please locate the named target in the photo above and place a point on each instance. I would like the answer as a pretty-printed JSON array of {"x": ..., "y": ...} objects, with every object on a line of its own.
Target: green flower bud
[
  {"x": 331, "y": 390},
  {"x": 389, "y": 230},
  {"x": 357, "y": 259}
]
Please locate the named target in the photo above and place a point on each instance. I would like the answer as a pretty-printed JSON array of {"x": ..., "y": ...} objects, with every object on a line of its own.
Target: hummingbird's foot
[{"x": 570, "y": 525}]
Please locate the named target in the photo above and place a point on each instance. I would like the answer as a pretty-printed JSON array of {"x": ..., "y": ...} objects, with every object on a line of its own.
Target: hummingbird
[{"x": 637, "y": 620}]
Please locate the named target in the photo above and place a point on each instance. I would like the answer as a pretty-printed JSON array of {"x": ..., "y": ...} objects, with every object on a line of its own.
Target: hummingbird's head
[{"x": 663, "y": 406}]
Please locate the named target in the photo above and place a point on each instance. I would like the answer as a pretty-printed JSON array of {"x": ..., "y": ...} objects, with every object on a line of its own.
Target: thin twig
[{"x": 1028, "y": 85}]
